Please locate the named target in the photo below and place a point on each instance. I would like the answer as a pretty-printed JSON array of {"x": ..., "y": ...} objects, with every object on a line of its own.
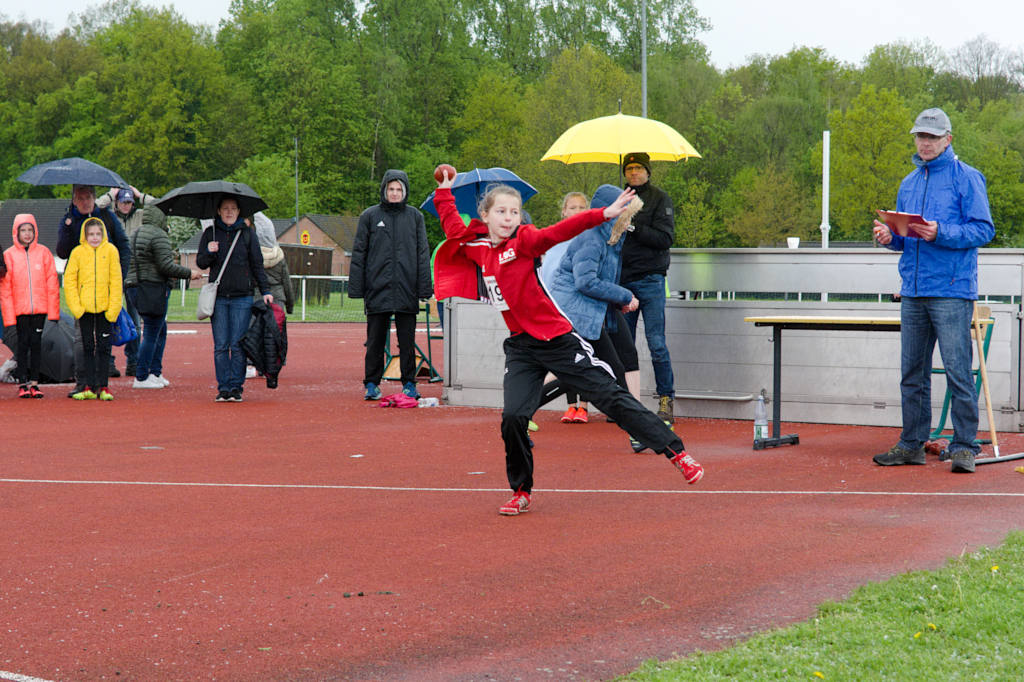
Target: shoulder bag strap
[{"x": 238, "y": 233}]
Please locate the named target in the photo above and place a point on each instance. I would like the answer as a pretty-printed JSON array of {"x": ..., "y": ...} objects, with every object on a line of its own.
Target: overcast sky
[{"x": 847, "y": 29}]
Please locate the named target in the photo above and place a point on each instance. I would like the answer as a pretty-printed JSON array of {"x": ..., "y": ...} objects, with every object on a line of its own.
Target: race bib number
[{"x": 494, "y": 293}]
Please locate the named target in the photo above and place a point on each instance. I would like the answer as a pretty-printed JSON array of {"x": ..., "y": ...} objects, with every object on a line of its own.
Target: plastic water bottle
[
  {"x": 760, "y": 419},
  {"x": 427, "y": 402}
]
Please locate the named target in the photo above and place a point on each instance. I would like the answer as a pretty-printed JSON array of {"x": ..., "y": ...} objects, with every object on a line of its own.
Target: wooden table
[{"x": 818, "y": 322}]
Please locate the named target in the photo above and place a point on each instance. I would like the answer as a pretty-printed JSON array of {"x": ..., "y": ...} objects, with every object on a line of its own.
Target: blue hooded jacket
[
  {"x": 952, "y": 194},
  {"x": 586, "y": 279}
]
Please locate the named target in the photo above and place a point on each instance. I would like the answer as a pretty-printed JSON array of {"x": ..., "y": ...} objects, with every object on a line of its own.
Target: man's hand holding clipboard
[{"x": 905, "y": 225}]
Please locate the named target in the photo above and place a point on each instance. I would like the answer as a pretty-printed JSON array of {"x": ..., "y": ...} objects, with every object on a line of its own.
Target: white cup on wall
[{"x": 793, "y": 242}]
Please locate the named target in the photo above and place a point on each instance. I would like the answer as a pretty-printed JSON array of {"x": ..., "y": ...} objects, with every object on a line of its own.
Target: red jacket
[
  {"x": 30, "y": 286},
  {"x": 509, "y": 270}
]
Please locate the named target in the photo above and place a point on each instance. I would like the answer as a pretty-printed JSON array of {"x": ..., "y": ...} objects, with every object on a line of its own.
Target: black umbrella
[
  {"x": 57, "y": 359},
  {"x": 72, "y": 171},
  {"x": 200, "y": 199},
  {"x": 58, "y": 350}
]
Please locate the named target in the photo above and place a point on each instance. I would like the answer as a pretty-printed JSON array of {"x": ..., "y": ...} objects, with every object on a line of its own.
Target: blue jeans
[
  {"x": 650, "y": 291},
  {"x": 230, "y": 321},
  {"x": 150, "y": 358},
  {"x": 924, "y": 321}
]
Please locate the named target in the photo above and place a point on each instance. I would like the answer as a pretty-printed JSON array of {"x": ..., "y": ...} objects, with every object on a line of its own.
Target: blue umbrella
[
  {"x": 72, "y": 171},
  {"x": 469, "y": 187}
]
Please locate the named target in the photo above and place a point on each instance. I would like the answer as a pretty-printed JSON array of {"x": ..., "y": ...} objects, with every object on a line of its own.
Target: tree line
[{"x": 343, "y": 90}]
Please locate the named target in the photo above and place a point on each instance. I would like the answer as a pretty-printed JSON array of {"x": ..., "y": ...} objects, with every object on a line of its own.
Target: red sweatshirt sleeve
[{"x": 535, "y": 242}]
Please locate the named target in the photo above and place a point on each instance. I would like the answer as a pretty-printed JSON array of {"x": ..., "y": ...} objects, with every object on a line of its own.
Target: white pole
[{"x": 824, "y": 189}]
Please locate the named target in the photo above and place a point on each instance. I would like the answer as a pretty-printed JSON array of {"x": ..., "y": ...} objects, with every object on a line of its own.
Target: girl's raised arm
[{"x": 619, "y": 205}]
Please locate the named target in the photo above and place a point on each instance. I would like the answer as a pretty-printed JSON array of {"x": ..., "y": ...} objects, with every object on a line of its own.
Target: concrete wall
[{"x": 721, "y": 363}]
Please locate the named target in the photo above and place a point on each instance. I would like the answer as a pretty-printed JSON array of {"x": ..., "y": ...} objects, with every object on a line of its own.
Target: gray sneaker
[
  {"x": 963, "y": 462},
  {"x": 666, "y": 409},
  {"x": 897, "y": 456}
]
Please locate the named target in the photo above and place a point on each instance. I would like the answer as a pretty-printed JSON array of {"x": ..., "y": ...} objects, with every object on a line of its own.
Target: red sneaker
[
  {"x": 23, "y": 392},
  {"x": 692, "y": 471},
  {"x": 519, "y": 504},
  {"x": 580, "y": 416},
  {"x": 570, "y": 415},
  {"x": 35, "y": 392}
]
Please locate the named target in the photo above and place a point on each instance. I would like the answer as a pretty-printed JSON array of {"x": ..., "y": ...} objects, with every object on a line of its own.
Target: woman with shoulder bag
[
  {"x": 232, "y": 252},
  {"x": 148, "y": 285}
]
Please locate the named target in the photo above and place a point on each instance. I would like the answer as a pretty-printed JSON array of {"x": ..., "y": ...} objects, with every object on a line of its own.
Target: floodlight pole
[
  {"x": 643, "y": 58},
  {"x": 297, "y": 181}
]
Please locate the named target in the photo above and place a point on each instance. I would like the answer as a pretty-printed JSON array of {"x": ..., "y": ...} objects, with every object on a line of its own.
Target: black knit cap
[{"x": 637, "y": 157}]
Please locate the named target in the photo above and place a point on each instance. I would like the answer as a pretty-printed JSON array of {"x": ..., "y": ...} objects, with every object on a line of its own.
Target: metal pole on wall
[
  {"x": 643, "y": 58},
  {"x": 824, "y": 189}
]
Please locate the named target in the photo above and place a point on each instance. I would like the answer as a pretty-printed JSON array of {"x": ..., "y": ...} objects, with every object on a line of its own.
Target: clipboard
[{"x": 902, "y": 223}]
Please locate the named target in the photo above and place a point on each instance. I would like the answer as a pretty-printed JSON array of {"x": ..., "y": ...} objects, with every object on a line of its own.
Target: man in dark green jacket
[{"x": 390, "y": 271}]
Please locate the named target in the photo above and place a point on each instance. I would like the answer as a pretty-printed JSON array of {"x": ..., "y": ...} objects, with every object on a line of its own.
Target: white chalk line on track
[
  {"x": 387, "y": 488},
  {"x": 15, "y": 677}
]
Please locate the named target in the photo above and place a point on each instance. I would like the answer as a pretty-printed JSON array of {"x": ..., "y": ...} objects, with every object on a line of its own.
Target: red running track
[{"x": 307, "y": 535}]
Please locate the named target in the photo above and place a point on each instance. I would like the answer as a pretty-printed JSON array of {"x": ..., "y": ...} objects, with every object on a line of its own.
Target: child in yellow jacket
[{"x": 92, "y": 291}]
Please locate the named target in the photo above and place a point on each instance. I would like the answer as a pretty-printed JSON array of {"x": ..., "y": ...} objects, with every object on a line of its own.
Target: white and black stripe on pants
[{"x": 570, "y": 358}]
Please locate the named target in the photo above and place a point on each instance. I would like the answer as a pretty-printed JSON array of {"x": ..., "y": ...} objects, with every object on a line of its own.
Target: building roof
[
  {"x": 340, "y": 228},
  {"x": 48, "y": 214}
]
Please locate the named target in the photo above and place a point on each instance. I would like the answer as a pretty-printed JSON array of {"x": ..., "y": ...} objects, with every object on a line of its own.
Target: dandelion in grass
[
  {"x": 931, "y": 626},
  {"x": 995, "y": 569},
  {"x": 818, "y": 673}
]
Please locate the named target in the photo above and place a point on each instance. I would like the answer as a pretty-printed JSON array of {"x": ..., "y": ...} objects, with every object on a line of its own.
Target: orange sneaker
[
  {"x": 570, "y": 415},
  {"x": 581, "y": 416}
]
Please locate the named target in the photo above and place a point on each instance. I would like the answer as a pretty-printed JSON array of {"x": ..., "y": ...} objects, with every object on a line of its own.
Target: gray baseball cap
[{"x": 933, "y": 122}]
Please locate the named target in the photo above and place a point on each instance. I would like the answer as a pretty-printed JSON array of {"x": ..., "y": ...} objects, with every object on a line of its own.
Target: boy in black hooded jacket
[{"x": 390, "y": 271}]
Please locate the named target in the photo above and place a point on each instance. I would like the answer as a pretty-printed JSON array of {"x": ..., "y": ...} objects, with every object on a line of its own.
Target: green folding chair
[{"x": 984, "y": 314}]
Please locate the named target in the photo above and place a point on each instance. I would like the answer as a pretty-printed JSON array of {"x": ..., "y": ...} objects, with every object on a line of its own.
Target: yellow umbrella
[{"x": 609, "y": 138}]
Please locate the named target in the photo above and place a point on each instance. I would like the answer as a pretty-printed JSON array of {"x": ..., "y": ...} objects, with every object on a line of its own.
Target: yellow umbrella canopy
[{"x": 609, "y": 138}]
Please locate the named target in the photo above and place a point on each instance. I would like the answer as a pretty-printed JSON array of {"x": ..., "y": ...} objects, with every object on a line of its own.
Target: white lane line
[
  {"x": 316, "y": 486},
  {"x": 15, "y": 677}
]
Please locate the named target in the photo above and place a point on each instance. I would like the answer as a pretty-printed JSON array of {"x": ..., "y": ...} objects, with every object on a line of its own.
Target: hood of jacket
[
  {"x": 93, "y": 221},
  {"x": 390, "y": 175},
  {"x": 605, "y": 196},
  {"x": 20, "y": 220},
  {"x": 947, "y": 157},
  {"x": 272, "y": 256},
  {"x": 151, "y": 215}
]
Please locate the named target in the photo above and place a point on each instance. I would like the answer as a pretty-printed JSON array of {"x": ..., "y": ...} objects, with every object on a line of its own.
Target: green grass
[{"x": 963, "y": 622}]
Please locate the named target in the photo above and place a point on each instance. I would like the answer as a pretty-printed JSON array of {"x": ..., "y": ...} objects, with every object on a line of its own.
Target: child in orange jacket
[{"x": 29, "y": 295}]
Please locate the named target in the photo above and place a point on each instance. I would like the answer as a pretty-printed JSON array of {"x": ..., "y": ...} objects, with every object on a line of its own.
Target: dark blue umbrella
[
  {"x": 469, "y": 187},
  {"x": 72, "y": 171}
]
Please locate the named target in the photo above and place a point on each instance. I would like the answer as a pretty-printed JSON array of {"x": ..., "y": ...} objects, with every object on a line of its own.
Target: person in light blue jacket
[
  {"x": 585, "y": 287},
  {"x": 939, "y": 269}
]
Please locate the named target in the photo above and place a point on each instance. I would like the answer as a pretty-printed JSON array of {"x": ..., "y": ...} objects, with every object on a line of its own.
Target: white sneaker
[
  {"x": 151, "y": 381},
  {"x": 161, "y": 378},
  {"x": 250, "y": 372}
]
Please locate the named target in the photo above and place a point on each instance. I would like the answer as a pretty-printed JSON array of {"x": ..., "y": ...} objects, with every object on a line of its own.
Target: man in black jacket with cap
[{"x": 645, "y": 258}]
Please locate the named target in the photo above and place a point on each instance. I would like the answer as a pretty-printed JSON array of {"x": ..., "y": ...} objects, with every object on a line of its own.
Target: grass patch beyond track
[{"x": 965, "y": 621}]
